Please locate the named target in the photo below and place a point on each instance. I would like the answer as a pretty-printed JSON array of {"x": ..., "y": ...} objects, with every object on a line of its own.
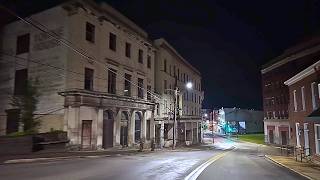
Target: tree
[{"x": 27, "y": 103}]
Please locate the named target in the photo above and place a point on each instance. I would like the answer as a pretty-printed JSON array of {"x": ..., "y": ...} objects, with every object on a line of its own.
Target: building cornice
[
  {"x": 303, "y": 74},
  {"x": 291, "y": 58}
]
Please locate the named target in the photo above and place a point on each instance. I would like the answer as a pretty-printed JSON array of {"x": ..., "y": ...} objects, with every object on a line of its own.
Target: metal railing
[{"x": 301, "y": 153}]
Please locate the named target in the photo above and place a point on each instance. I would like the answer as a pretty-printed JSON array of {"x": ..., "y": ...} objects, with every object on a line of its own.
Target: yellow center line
[{"x": 195, "y": 173}]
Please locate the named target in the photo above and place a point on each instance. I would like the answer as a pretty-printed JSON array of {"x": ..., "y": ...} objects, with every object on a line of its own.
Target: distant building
[
  {"x": 304, "y": 110},
  {"x": 276, "y": 94},
  {"x": 236, "y": 120}
]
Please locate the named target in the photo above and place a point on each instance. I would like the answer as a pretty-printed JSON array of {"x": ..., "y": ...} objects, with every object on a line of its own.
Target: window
[
  {"x": 165, "y": 86},
  {"x": 303, "y": 99},
  {"x": 149, "y": 62},
  {"x": 295, "y": 106},
  {"x": 23, "y": 44},
  {"x": 112, "y": 81},
  {"x": 317, "y": 137},
  {"x": 127, "y": 85},
  {"x": 149, "y": 92},
  {"x": 128, "y": 50},
  {"x": 112, "y": 41},
  {"x": 88, "y": 79},
  {"x": 174, "y": 71},
  {"x": 140, "y": 56},
  {"x": 170, "y": 70},
  {"x": 165, "y": 65},
  {"x": 20, "y": 81},
  {"x": 158, "y": 108},
  {"x": 178, "y": 74},
  {"x": 90, "y": 32},
  {"x": 140, "y": 88},
  {"x": 314, "y": 96}
]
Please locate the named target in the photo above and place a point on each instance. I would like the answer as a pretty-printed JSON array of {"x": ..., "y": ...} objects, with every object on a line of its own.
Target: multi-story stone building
[
  {"x": 172, "y": 71},
  {"x": 97, "y": 76},
  {"x": 276, "y": 94},
  {"x": 304, "y": 114},
  {"x": 97, "y": 89}
]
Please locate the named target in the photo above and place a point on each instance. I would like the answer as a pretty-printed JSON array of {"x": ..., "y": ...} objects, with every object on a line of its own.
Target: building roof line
[
  {"x": 301, "y": 75},
  {"x": 291, "y": 58},
  {"x": 162, "y": 41}
]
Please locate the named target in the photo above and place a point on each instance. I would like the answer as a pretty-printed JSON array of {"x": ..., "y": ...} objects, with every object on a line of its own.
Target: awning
[{"x": 314, "y": 116}]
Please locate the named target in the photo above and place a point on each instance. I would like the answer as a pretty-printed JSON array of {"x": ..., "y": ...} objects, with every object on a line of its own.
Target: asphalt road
[{"x": 245, "y": 162}]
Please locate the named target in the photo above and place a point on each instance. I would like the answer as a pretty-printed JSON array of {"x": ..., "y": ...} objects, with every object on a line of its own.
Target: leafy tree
[{"x": 27, "y": 103}]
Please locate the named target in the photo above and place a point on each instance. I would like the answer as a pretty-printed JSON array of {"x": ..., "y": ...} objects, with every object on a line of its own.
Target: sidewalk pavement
[
  {"x": 51, "y": 156},
  {"x": 308, "y": 170}
]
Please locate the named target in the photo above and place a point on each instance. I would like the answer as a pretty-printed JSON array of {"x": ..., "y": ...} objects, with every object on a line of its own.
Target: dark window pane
[
  {"x": 127, "y": 85},
  {"x": 23, "y": 44},
  {"x": 20, "y": 81},
  {"x": 149, "y": 62},
  {"x": 112, "y": 81},
  {"x": 140, "y": 58},
  {"x": 88, "y": 79},
  {"x": 165, "y": 65},
  {"x": 149, "y": 92},
  {"x": 128, "y": 50},
  {"x": 140, "y": 86},
  {"x": 90, "y": 32},
  {"x": 113, "y": 42}
]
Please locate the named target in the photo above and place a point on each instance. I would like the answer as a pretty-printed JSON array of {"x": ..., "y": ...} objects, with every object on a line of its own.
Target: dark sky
[{"x": 227, "y": 40}]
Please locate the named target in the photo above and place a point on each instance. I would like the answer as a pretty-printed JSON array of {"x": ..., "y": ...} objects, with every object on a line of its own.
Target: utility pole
[
  {"x": 214, "y": 117},
  {"x": 176, "y": 91}
]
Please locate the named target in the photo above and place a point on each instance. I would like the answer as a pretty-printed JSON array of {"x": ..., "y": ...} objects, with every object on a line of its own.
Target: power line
[{"x": 65, "y": 43}]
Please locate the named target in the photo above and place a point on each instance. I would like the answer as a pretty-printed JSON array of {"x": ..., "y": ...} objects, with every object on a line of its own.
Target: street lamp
[{"x": 176, "y": 92}]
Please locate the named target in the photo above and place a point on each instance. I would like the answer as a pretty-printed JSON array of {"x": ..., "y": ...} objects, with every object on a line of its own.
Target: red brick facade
[
  {"x": 276, "y": 94},
  {"x": 303, "y": 101}
]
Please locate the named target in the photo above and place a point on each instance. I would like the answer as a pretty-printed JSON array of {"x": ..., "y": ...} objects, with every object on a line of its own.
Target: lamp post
[{"x": 176, "y": 92}]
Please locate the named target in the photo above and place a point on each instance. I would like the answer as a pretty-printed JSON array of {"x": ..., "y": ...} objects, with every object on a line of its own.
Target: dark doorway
[
  {"x": 158, "y": 133},
  {"x": 86, "y": 134},
  {"x": 137, "y": 127},
  {"x": 124, "y": 129},
  {"x": 107, "y": 129},
  {"x": 284, "y": 135},
  {"x": 13, "y": 116},
  {"x": 271, "y": 137}
]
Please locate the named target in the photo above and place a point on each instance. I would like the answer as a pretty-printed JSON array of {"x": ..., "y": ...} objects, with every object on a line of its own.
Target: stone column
[
  {"x": 116, "y": 128},
  {"x": 152, "y": 127},
  {"x": 192, "y": 140},
  {"x": 197, "y": 131},
  {"x": 144, "y": 126},
  {"x": 185, "y": 131},
  {"x": 162, "y": 134},
  {"x": 99, "y": 128},
  {"x": 131, "y": 128}
]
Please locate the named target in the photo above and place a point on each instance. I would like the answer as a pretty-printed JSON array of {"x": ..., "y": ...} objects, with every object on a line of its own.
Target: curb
[
  {"x": 282, "y": 165},
  {"x": 17, "y": 161}
]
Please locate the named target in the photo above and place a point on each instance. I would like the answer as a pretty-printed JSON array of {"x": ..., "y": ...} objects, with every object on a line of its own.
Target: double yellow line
[{"x": 195, "y": 173}]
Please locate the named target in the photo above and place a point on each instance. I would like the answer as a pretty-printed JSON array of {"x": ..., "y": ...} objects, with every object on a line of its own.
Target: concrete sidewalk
[
  {"x": 308, "y": 170},
  {"x": 41, "y": 157}
]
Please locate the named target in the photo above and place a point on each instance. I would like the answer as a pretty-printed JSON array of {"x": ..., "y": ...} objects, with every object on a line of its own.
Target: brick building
[
  {"x": 276, "y": 94},
  {"x": 304, "y": 116}
]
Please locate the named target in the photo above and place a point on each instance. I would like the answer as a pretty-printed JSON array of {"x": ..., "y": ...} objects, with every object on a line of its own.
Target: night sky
[{"x": 226, "y": 40}]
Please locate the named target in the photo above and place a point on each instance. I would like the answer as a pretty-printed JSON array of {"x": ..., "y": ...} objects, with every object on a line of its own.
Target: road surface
[{"x": 245, "y": 162}]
